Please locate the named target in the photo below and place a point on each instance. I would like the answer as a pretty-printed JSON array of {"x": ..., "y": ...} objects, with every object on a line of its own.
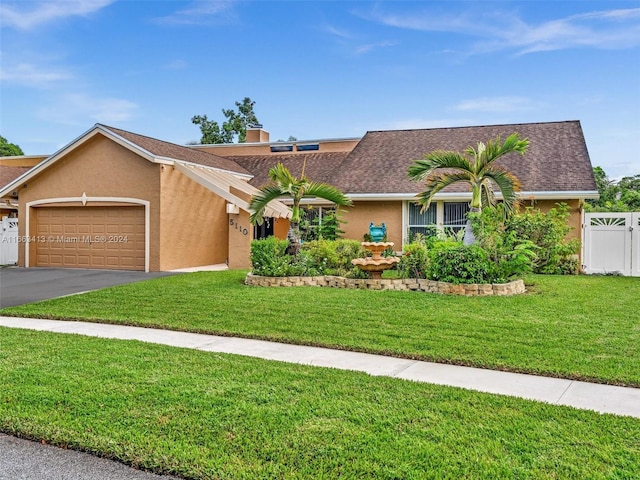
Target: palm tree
[
  {"x": 285, "y": 184},
  {"x": 476, "y": 167}
]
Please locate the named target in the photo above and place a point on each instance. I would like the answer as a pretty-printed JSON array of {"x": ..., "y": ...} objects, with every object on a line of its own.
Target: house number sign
[{"x": 237, "y": 226}]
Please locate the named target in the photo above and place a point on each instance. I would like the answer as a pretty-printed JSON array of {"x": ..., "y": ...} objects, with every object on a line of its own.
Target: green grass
[
  {"x": 206, "y": 415},
  {"x": 580, "y": 327}
]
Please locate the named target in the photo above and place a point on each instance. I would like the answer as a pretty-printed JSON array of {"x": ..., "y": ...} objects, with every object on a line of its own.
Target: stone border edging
[{"x": 474, "y": 289}]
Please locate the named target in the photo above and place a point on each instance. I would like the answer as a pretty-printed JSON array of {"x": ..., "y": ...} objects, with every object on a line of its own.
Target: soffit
[{"x": 223, "y": 184}]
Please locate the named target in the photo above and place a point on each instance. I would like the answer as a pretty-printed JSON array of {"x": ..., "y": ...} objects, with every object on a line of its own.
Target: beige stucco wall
[
  {"x": 280, "y": 227},
  {"x": 240, "y": 236},
  {"x": 194, "y": 224},
  {"x": 98, "y": 168},
  {"x": 358, "y": 217}
]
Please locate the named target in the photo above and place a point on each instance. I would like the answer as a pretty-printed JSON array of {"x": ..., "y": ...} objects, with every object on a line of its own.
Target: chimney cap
[{"x": 254, "y": 125}]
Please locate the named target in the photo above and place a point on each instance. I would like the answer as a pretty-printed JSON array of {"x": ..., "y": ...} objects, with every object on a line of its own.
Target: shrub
[
  {"x": 461, "y": 264},
  {"x": 318, "y": 257},
  {"x": 269, "y": 258},
  {"x": 540, "y": 237},
  {"x": 511, "y": 255},
  {"x": 548, "y": 231},
  {"x": 333, "y": 257},
  {"x": 415, "y": 261}
]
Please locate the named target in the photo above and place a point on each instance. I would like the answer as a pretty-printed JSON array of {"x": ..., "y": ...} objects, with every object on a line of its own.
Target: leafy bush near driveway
[{"x": 269, "y": 257}]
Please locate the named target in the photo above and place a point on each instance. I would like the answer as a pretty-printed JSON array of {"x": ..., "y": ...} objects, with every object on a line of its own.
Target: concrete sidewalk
[{"x": 583, "y": 395}]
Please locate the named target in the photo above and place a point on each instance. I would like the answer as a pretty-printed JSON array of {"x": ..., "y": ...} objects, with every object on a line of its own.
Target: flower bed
[{"x": 431, "y": 286}]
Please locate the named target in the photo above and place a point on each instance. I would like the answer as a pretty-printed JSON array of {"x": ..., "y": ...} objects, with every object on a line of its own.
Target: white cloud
[
  {"x": 336, "y": 32},
  {"x": 42, "y": 12},
  {"x": 26, "y": 74},
  {"x": 613, "y": 29},
  {"x": 495, "y": 104},
  {"x": 81, "y": 109},
  {"x": 351, "y": 41},
  {"x": 362, "y": 49},
  {"x": 201, "y": 12}
]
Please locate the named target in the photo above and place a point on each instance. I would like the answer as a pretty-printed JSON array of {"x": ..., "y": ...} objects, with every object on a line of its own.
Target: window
[
  {"x": 423, "y": 223},
  {"x": 319, "y": 222},
  {"x": 449, "y": 217},
  {"x": 455, "y": 217}
]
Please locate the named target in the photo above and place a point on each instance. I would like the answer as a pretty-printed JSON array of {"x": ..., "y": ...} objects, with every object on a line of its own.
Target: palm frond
[
  {"x": 487, "y": 195},
  {"x": 508, "y": 185},
  {"x": 436, "y": 182},
  {"x": 422, "y": 168},
  {"x": 260, "y": 201},
  {"x": 281, "y": 175},
  {"x": 326, "y": 192},
  {"x": 495, "y": 149}
]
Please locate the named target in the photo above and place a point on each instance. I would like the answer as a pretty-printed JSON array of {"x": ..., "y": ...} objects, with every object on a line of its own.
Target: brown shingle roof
[
  {"x": 557, "y": 159},
  {"x": 320, "y": 167},
  {"x": 171, "y": 150},
  {"x": 9, "y": 174}
]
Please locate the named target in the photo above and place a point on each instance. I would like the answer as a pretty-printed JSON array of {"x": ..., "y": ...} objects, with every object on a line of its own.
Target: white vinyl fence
[
  {"x": 611, "y": 243},
  {"x": 8, "y": 241}
]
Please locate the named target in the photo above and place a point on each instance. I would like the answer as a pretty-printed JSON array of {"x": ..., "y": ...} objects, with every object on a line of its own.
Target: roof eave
[
  {"x": 172, "y": 161},
  {"x": 466, "y": 196}
]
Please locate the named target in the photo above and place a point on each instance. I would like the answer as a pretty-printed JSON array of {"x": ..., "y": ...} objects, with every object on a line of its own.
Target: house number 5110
[{"x": 240, "y": 228}]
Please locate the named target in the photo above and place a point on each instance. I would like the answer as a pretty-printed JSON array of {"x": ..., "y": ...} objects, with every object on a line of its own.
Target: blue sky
[{"x": 321, "y": 69}]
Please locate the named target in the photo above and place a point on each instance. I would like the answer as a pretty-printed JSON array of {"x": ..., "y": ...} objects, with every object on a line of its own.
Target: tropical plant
[
  {"x": 285, "y": 184},
  {"x": 526, "y": 232},
  {"x": 475, "y": 166},
  {"x": 615, "y": 196}
]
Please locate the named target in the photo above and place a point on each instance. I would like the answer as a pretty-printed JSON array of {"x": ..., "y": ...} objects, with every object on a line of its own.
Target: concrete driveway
[{"x": 25, "y": 285}]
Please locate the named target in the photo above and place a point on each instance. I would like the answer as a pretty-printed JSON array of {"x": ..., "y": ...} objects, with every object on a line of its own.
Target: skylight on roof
[
  {"x": 306, "y": 147},
  {"x": 282, "y": 148}
]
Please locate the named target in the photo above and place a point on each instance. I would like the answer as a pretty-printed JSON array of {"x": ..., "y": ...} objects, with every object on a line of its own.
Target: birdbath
[{"x": 376, "y": 263}]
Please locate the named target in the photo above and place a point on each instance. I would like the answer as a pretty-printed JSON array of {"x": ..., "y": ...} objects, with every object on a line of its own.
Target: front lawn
[
  {"x": 581, "y": 327},
  {"x": 206, "y": 415}
]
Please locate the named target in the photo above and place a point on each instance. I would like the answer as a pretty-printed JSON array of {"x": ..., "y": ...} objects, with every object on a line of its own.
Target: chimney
[{"x": 255, "y": 134}]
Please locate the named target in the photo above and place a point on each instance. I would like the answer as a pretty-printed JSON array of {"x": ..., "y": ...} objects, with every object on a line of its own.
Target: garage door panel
[{"x": 91, "y": 237}]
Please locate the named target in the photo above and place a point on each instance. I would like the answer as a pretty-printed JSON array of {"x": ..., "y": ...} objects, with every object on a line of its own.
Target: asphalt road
[
  {"x": 25, "y": 285},
  {"x": 25, "y": 460}
]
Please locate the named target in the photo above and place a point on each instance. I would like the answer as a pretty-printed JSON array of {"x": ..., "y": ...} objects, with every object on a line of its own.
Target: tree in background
[
  {"x": 235, "y": 125},
  {"x": 615, "y": 196},
  {"x": 476, "y": 167},
  {"x": 9, "y": 149}
]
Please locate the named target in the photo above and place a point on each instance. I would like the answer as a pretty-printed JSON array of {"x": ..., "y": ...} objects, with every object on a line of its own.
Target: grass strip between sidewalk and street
[{"x": 578, "y": 327}]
